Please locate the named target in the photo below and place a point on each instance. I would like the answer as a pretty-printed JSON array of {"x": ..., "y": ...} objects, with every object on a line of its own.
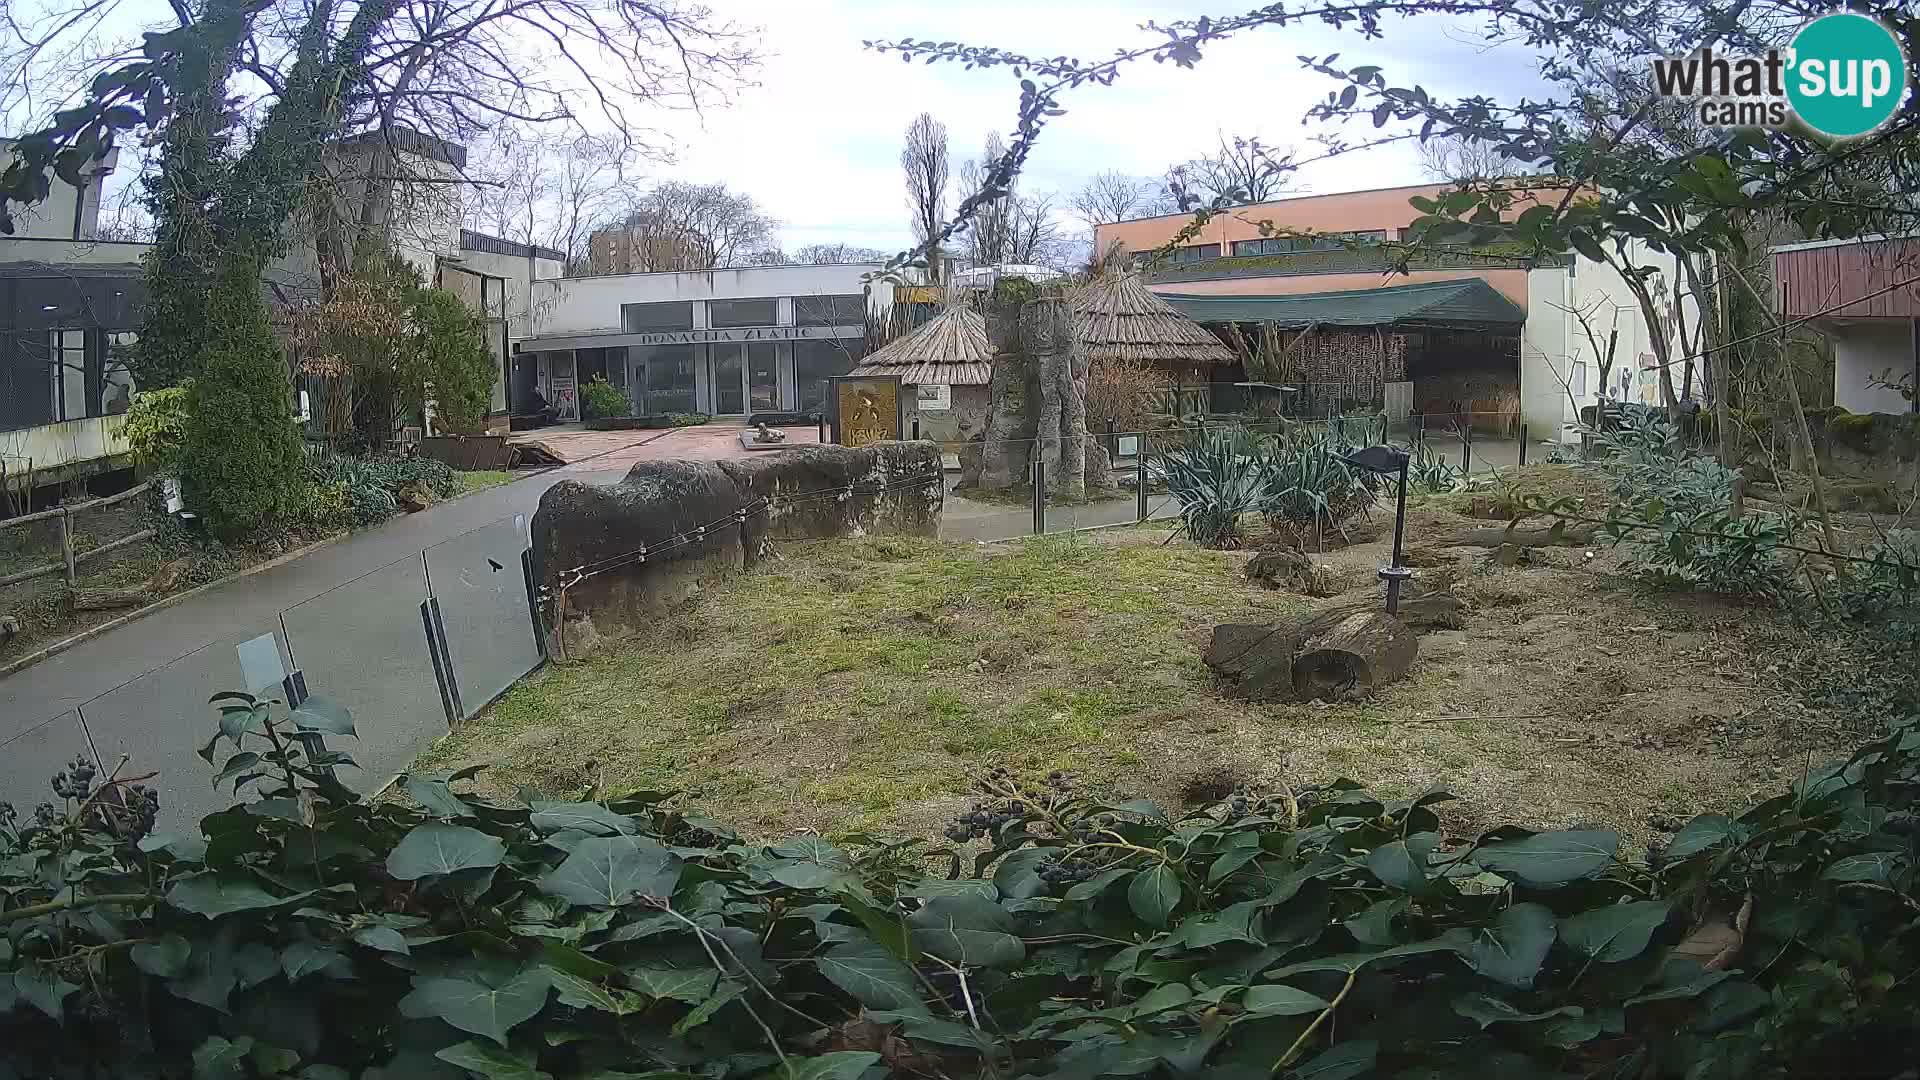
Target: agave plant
[
  {"x": 1310, "y": 489},
  {"x": 1218, "y": 475}
]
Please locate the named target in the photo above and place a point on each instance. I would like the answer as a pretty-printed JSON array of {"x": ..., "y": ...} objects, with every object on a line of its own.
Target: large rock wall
[{"x": 699, "y": 520}]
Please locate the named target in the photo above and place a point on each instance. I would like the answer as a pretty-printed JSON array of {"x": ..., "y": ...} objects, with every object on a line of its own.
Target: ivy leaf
[
  {"x": 439, "y": 848},
  {"x": 1394, "y": 864},
  {"x": 1017, "y": 877},
  {"x": 691, "y": 985},
  {"x": 1874, "y": 866},
  {"x": 1615, "y": 932},
  {"x": 840, "y": 1065},
  {"x": 1279, "y": 999},
  {"x": 218, "y": 1059},
  {"x": 1514, "y": 948},
  {"x": 1551, "y": 858},
  {"x": 435, "y": 796},
  {"x": 163, "y": 958},
  {"x": 212, "y": 895},
  {"x": 303, "y": 958},
  {"x": 384, "y": 938},
  {"x": 491, "y": 1061},
  {"x": 1487, "y": 1010},
  {"x": 43, "y": 989},
  {"x": 1342, "y": 1061},
  {"x": 875, "y": 977},
  {"x": 473, "y": 1005},
  {"x": 582, "y": 993},
  {"x": 1698, "y": 835},
  {"x": 967, "y": 930},
  {"x": 1154, "y": 894},
  {"x": 611, "y": 870},
  {"x": 726, "y": 992},
  {"x": 591, "y": 818}
]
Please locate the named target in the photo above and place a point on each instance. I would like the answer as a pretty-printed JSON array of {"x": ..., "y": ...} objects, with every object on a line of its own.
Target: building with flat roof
[{"x": 1865, "y": 295}]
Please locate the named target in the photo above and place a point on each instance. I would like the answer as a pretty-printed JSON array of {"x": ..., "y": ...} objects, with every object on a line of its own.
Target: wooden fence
[{"x": 71, "y": 559}]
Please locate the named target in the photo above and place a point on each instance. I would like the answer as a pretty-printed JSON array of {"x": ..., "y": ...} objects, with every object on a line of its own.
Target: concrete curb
[{"x": 166, "y": 602}]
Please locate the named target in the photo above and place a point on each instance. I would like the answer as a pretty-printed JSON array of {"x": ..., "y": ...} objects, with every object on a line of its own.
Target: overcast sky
[{"x": 817, "y": 142}]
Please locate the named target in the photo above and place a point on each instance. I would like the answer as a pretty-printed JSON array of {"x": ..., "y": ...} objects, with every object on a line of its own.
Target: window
[
  {"x": 656, "y": 318},
  {"x": 1193, "y": 253},
  {"x": 814, "y": 362},
  {"x": 1281, "y": 245},
  {"x": 1579, "y": 381},
  {"x": 725, "y": 313},
  {"x": 847, "y": 310},
  {"x": 670, "y": 379},
  {"x": 67, "y": 353},
  {"x": 116, "y": 381}
]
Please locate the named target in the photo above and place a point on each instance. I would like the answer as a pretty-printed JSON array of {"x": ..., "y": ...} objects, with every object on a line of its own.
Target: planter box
[{"x": 628, "y": 423}]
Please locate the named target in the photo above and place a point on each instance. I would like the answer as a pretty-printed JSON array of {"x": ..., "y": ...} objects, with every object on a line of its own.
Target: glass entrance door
[
  {"x": 763, "y": 377},
  {"x": 727, "y": 379}
]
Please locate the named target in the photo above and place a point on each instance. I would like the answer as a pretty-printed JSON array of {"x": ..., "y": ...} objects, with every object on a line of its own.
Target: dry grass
[{"x": 855, "y": 686}]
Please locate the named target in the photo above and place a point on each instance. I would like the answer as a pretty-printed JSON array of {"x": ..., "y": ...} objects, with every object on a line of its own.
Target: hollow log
[
  {"x": 1349, "y": 658},
  {"x": 108, "y": 599},
  {"x": 1429, "y": 611},
  {"x": 1533, "y": 536}
]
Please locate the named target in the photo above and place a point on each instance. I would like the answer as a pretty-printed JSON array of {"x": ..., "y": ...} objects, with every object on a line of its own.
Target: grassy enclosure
[{"x": 857, "y": 685}]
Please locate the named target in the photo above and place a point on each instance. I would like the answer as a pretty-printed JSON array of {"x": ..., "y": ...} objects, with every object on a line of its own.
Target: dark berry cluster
[
  {"x": 1066, "y": 871},
  {"x": 135, "y": 808},
  {"x": 980, "y": 819},
  {"x": 76, "y": 780}
]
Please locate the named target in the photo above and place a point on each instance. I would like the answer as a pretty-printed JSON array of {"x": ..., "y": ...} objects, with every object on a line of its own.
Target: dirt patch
[{"x": 856, "y": 685}]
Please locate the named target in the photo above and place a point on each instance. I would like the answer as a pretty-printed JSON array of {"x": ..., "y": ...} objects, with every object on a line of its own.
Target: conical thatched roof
[
  {"x": 1118, "y": 318},
  {"x": 951, "y": 348}
]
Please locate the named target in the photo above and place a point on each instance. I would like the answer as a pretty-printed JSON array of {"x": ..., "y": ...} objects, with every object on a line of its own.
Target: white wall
[
  {"x": 69, "y": 442},
  {"x": 1864, "y": 350},
  {"x": 520, "y": 273},
  {"x": 585, "y": 305},
  {"x": 53, "y": 217}
]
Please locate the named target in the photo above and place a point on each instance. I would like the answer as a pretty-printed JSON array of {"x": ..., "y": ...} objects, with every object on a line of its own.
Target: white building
[{"x": 738, "y": 342}]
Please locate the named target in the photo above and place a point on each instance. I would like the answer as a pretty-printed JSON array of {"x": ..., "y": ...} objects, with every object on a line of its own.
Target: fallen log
[
  {"x": 1531, "y": 536},
  {"x": 1333, "y": 655},
  {"x": 1421, "y": 611},
  {"x": 107, "y": 599}
]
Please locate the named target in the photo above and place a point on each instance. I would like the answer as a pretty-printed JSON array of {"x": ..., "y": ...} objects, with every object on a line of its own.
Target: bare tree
[
  {"x": 1033, "y": 236},
  {"x": 835, "y": 254},
  {"x": 924, "y": 160},
  {"x": 990, "y": 238},
  {"x": 683, "y": 226},
  {"x": 1454, "y": 159},
  {"x": 1111, "y": 196},
  {"x": 1242, "y": 170},
  {"x": 547, "y": 188}
]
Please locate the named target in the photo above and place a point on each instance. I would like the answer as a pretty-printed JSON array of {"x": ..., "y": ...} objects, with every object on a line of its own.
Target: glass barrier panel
[{"x": 482, "y": 591}]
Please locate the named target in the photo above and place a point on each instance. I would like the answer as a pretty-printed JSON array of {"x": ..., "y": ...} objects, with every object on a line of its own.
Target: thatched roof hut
[
  {"x": 950, "y": 348},
  {"x": 1118, "y": 318}
]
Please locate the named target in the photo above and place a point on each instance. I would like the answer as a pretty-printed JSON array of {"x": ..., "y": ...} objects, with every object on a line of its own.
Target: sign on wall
[
  {"x": 869, "y": 411},
  {"x": 934, "y": 397},
  {"x": 742, "y": 333}
]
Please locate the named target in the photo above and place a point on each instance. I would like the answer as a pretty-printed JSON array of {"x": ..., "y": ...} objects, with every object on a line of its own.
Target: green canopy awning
[{"x": 1469, "y": 303}]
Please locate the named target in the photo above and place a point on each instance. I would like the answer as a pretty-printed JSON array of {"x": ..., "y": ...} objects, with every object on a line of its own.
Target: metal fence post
[
  {"x": 533, "y": 601},
  {"x": 1039, "y": 492},
  {"x": 1466, "y": 447},
  {"x": 1140, "y": 478},
  {"x": 1523, "y": 444}
]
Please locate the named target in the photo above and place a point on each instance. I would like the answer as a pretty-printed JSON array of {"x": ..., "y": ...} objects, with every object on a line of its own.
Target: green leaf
[
  {"x": 1097, "y": 884},
  {"x": 1730, "y": 1003},
  {"x": 1615, "y": 932},
  {"x": 235, "y": 766},
  {"x": 1161, "y": 998},
  {"x": 303, "y": 958},
  {"x": 691, "y": 985},
  {"x": 1279, "y": 999},
  {"x": 1374, "y": 926},
  {"x": 218, "y": 1059},
  {"x": 726, "y": 992},
  {"x": 476, "y": 1005},
  {"x": 840, "y": 1065},
  {"x": 795, "y": 874},
  {"x": 591, "y": 818},
  {"x": 1342, "y": 1061},
  {"x": 1874, "y": 866},
  {"x": 1154, "y": 894},
  {"x": 1512, "y": 950},
  {"x": 323, "y": 715},
  {"x": 1698, "y": 835},
  {"x": 1017, "y": 877},
  {"x": 435, "y": 796},
  {"x": 1585, "y": 244},
  {"x": 875, "y": 977},
  {"x": 1487, "y": 1010},
  {"x": 491, "y": 1062},
  {"x": 1397, "y": 866},
  {"x": 384, "y": 938},
  {"x": 439, "y": 848},
  {"x": 611, "y": 870},
  {"x": 967, "y": 930},
  {"x": 43, "y": 989},
  {"x": 212, "y": 895},
  {"x": 1551, "y": 858},
  {"x": 163, "y": 958},
  {"x": 582, "y": 993}
]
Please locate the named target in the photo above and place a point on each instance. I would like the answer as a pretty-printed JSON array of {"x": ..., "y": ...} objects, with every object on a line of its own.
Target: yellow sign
[
  {"x": 918, "y": 294},
  {"x": 869, "y": 411}
]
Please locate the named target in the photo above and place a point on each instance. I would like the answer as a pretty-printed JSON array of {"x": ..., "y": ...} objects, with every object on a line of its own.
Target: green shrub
[
  {"x": 370, "y": 485},
  {"x": 240, "y": 467},
  {"x": 688, "y": 419},
  {"x": 1320, "y": 932},
  {"x": 455, "y": 360},
  {"x": 156, "y": 427},
  {"x": 600, "y": 398}
]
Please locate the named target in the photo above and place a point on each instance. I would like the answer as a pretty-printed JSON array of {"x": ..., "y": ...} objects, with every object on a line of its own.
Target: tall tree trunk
[
  {"x": 1006, "y": 393},
  {"x": 1046, "y": 326}
]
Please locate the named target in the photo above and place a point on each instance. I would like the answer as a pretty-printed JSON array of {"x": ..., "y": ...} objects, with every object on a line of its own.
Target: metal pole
[
  {"x": 1523, "y": 444},
  {"x": 823, "y": 427},
  {"x": 916, "y": 427},
  {"x": 66, "y": 537},
  {"x": 1466, "y": 448},
  {"x": 1039, "y": 493},
  {"x": 1399, "y": 535},
  {"x": 1140, "y": 478}
]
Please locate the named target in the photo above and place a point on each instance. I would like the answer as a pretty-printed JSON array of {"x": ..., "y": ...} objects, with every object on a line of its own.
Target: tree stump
[{"x": 1281, "y": 568}]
